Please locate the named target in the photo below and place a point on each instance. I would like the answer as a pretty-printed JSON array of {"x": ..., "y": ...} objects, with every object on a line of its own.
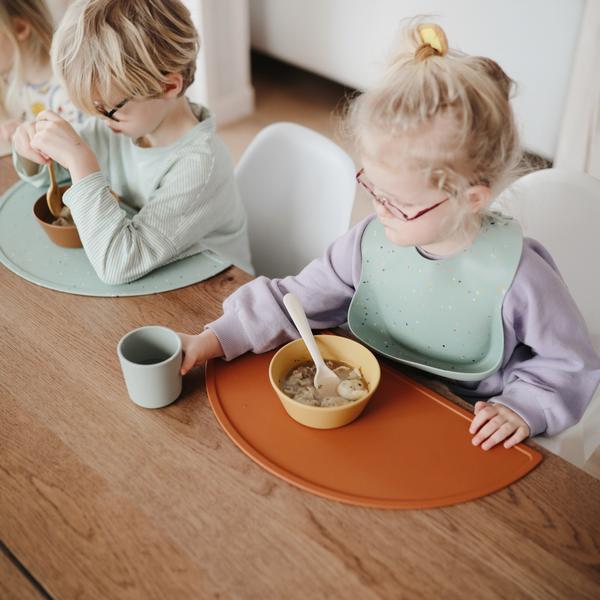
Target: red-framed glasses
[{"x": 389, "y": 205}]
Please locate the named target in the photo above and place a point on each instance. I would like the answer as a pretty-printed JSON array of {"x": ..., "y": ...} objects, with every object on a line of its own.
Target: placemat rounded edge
[{"x": 366, "y": 502}]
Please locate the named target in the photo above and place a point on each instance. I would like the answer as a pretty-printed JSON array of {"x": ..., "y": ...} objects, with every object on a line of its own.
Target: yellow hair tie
[{"x": 433, "y": 35}]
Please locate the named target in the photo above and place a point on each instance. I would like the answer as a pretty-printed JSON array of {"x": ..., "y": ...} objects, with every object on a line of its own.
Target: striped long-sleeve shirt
[{"x": 176, "y": 201}]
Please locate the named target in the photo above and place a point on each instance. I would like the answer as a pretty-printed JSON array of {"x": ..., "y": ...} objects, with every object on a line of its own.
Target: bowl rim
[
  {"x": 50, "y": 225},
  {"x": 322, "y": 409}
]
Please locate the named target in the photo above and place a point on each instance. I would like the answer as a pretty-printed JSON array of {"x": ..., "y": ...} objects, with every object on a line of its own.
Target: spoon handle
[
  {"x": 52, "y": 176},
  {"x": 296, "y": 311}
]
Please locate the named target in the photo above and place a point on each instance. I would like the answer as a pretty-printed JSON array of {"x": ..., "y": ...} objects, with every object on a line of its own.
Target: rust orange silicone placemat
[{"x": 409, "y": 449}]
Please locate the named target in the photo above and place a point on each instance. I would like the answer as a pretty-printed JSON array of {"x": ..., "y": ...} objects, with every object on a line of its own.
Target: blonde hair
[
  {"x": 36, "y": 46},
  {"x": 129, "y": 45},
  {"x": 449, "y": 112}
]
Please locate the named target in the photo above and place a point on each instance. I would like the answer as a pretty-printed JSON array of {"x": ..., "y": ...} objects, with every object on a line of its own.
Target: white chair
[
  {"x": 298, "y": 188},
  {"x": 561, "y": 209}
]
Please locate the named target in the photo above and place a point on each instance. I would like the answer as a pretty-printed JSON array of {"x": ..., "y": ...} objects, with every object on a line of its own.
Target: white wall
[
  {"x": 222, "y": 79},
  {"x": 349, "y": 41},
  {"x": 579, "y": 139}
]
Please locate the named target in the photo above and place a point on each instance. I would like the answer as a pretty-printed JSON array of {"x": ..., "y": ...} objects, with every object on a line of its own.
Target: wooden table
[{"x": 103, "y": 499}]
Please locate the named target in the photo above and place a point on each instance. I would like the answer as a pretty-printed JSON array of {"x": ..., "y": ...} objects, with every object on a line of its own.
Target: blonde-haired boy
[{"x": 130, "y": 63}]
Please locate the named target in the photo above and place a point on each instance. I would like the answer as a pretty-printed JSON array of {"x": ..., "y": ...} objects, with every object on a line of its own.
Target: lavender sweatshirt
[{"x": 549, "y": 370}]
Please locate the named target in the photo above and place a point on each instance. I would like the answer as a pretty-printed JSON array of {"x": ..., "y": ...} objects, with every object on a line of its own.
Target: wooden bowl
[{"x": 65, "y": 236}]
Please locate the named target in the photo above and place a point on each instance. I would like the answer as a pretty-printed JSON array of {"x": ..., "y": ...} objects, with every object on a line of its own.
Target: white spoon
[{"x": 326, "y": 381}]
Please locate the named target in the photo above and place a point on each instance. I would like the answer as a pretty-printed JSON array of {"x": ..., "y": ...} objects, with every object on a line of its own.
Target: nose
[{"x": 382, "y": 211}]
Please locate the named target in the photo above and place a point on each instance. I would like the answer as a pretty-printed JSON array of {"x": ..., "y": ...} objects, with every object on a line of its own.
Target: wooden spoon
[{"x": 54, "y": 194}]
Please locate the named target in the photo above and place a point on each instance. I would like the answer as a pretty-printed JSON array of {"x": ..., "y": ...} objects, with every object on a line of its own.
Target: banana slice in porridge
[
  {"x": 351, "y": 389},
  {"x": 299, "y": 385}
]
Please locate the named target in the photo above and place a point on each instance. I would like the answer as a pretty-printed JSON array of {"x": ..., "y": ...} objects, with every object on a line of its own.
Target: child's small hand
[
  {"x": 56, "y": 138},
  {"x": 22, "y": 144},
  {"x": 8, "y": 128},
  {"x": 495, "y": 423},
  {"x": 197, "y": 349}
]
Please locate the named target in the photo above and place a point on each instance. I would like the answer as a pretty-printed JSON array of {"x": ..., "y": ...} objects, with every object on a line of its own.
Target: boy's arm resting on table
[
  {"x": 551, "y": 386},
  {"x": 255, "y": 319},
  {"x": 123, "y": 249}
]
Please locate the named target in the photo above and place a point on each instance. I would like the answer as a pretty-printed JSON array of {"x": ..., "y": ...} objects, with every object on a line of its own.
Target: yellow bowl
[{"x": 332, "y": 347}]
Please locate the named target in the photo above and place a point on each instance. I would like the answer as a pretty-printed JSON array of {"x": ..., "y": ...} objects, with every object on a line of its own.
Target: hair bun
[{"x": 433, "y": 41}]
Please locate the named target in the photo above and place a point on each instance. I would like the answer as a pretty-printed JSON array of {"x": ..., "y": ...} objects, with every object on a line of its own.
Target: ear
[
  {"x": 22, "y": 29},
  {"x": 478, "y": 197},
  {"x": 173, "y": 85}
]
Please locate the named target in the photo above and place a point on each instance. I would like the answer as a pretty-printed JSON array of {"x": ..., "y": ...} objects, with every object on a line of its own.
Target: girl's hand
[
  {"x": 495, "y": 423},
  {"x": 54, "y": 137},
  {"x": 197, "y": 349},
  {"x": 22, "y": 144},
  {"x": 8, "y": 128}
]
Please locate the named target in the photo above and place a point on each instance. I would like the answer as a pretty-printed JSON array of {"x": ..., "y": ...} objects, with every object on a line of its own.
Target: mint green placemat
[{"x": 26, "y": 250}]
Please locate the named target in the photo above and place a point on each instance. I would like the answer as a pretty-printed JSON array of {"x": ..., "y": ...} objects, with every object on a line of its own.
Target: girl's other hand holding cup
[{"x": 197, "y": 349}]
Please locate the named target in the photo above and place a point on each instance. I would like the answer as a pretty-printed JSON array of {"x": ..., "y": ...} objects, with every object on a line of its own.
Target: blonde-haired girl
[
  {"x": 436, "y": 280},
  {"x": 27, "y": 85},
  {"x": 130, "y": 64}
]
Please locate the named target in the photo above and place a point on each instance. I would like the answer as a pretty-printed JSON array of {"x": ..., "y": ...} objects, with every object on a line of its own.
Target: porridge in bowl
[
  {"x": 299, "y": 385},
  {"x": 64, "y": 219},
  {"x": 339, "y": 350}
]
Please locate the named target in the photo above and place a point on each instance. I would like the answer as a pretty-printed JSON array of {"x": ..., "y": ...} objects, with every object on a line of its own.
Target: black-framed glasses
[
  {"x": 388, "y": 204},
  {"x": 109, "y": 114}
]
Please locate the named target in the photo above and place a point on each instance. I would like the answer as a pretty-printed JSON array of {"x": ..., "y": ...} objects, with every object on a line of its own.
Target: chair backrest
[
  {"x": 298, "y": 188},
  {"x": 561, "y": 209}
]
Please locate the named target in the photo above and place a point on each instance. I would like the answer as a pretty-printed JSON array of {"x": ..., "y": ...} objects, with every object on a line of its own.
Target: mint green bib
[{"x": 442, "y": 316}]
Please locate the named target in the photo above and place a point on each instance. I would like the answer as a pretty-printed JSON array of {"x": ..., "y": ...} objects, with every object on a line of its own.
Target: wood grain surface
[
  {"x": 103, "y": 499},
  {"x": 15, "y": 582}
]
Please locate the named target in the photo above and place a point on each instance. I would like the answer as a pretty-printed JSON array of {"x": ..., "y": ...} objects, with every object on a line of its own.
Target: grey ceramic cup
[{"x": 150, "y": 358}]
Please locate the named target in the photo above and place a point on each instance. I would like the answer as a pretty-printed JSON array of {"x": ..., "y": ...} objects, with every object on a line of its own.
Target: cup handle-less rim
[{"x": 177, "y": 352}]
